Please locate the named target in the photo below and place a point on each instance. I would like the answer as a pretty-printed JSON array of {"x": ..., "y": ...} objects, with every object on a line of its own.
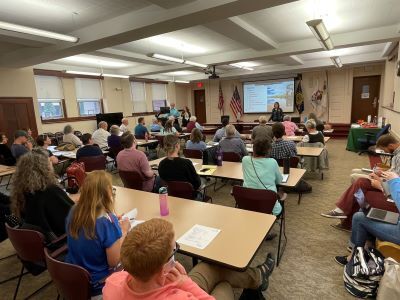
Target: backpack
[
  {"x": 363, "y": 272},
  {"x": 75, "y": 177},
  {"x": 65, "y": 147}
]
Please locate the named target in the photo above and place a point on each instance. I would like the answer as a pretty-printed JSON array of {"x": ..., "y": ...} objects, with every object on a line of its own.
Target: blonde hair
[
  {"x": 170, "y": 141},
  {"x": 95, "y": 198},
  {"x": 34, "y": 173},
  {"x": 262, "y": 119},
  {"x": 147, "y": 248},
  {"x": 230, "y": 130}
]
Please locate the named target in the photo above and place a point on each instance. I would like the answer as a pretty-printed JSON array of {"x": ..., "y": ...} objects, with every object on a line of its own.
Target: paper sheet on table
[
  {"x": 210, "y": 171},
  {"x": 194, "y": 163},
  {"x": 285, "y": 178},
  {"x": 131, "y": 215},
  {"x": 198, "y": 236}
]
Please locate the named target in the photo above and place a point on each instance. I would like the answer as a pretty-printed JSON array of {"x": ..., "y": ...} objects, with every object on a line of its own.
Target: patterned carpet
[{"x": 307, "y": 269}]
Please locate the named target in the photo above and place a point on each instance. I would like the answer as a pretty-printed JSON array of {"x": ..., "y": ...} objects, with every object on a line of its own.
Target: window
[
  {"x": 88, "y": 96},
  {"x": 50, "y": 97},
  {"x": 159, "y": 95},
  {"x": 138, "y": 94}
]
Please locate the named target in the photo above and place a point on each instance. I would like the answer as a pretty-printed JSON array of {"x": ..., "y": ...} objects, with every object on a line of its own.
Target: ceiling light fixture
[
  {"x": 95, "y": 61},
  {"x": 319, "y": 30},
  {"x": 83, "y": 73},
  {"x": 115, "y": 76},
  {"x": 336, "y": 61},
  {"x": 177, "y": 60},
  {"x": 238, "y": 65},
  {"x": 182, "y": 81},
  {"x": 38, "y": 32}
]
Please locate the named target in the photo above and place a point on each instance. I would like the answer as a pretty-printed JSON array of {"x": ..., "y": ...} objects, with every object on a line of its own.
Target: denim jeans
[{"x": 364, "y": 229}]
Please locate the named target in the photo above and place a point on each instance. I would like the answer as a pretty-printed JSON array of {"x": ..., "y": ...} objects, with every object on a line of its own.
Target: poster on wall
[{"x": 365, "y": 92}]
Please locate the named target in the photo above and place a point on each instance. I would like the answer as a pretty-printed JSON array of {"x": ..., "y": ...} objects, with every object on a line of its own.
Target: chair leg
[
  {"x": 195, "y": 261},
  {"x": 282, "y": 230},
  {"x": 19, "y": 282},
  {"x": 298, "y": 201}
]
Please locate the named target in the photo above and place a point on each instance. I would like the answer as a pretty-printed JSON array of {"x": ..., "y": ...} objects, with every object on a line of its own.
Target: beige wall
[
  {"x": 392, "y": 84},
  {"x": 338, "y": 104}
]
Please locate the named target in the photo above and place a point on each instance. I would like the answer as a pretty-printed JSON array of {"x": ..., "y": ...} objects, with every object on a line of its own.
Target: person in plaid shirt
[{"x": 281, "y": 148}]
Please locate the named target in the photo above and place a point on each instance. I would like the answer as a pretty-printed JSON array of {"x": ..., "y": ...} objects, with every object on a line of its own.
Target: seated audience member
[
  {"x": 152, "y": 273},
  {"x": 313, "y": 135},
  {"x": 193, "y": 124},
  {"x": 70, "y": 137},
  {"x": 290, "y": 127},
  {"x": 94, "y": 232},
  {"x": 220, "y": 133},
  {"x": 36, "y": 195},
  {"x": 43, "y": 141},
  {"x": 173, "y": 112},
  {"x": 347, "y": 205},
  {"x": 21, "y": 144},
  {"x": 141, "y": 129},
  {"x": 88, "y": 149},
  {"x": 231, "y": 143},
  {"x": 175, "y": 123},
  {"x": 276, "y": 113},
  {"x": 280, "y": 148},
  {"x": 131, "y": 159},
  {"x": 196, "y": 141},
  {"x": 6, "y": 157},
  {"x": 114, "y": 140},
  {"x": 319, "y": 125},
  {"x": 155, "y": 126},
  {"x": 169, "y": 128},
  {"x": 262, "y": 172},
  {"x": 30, "y": 138},
  {"x": 262, "y": 131},
  {"x": 185, "y": 116},
  {"x": 124, "y": 126},
  {"x": 175, "y": 168},
  {"x": 101, "y": 135},
  {"x": 365, "y": 231}
]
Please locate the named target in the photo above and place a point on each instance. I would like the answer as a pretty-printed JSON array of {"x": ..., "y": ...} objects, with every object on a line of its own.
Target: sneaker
[
  {"x": 334, "y": 214},
  {"x": 341, "y": 260},
  {"x": 266, "y": 269},
  {"x": 340, "y": 227}
]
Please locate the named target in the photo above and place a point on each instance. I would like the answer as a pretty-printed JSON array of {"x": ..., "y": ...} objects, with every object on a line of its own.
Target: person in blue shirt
[
  {"x": 140, "y": 129},
  {"x": 94, "y": 233},
  {"x": 366, "y": 231},
  {"x": 196, "y": 141},
  {"x": 174, "y": 112},
  {"x": 262, "y": 172},
  {"x": 88, "y": 148},
  {"x": 156, "y": 126}
]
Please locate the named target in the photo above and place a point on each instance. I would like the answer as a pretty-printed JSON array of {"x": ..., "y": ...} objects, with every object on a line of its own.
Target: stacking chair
[
  {"x": 389, "y": 249},
  {"x": 132, "y": 179},
  {"x": 29, "y": 245},
  {"x": 262, "y": 201},
  {"x": 294, "y": 162},
  {"x": 94, "y": 162},
  {"x": 59, "y": 137},
  {"x": 72, "y": 281},
  {"x": 185, "y": 190},
  {"x": 231, "y": 156},
  {"x": 190, "y": 153}
]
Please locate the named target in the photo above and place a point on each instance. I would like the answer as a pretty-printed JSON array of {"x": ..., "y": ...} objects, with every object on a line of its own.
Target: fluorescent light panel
[
  {"x": 238, "y": 65},
  {"x": 336, "y": 61},
  {"x": 182, "y": 81},
  {"x": 83, "y": 73},
  {"x": 319, "y": 30},
  {"x": 177, "y": 60},
  {"x": 37, "y": 32},
  {"x": 196, "y": 64},
  {"x": 169, "y": 42},
  {"x": 95, "y": 61},
  {"x": 115, "y": 75}
]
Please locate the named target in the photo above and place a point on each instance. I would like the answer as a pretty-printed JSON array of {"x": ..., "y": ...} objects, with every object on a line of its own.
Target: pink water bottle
[{"x": 163, "y": 196}]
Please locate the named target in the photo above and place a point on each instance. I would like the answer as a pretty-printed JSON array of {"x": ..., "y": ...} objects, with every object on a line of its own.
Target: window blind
[
  {"x": 49, "y": 88},
  {"x": 87, "y": 89},
  {"x": 138, "y": 93}
]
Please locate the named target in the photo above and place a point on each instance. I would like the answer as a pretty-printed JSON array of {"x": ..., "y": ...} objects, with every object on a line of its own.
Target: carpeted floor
[{"x": 307, "y": 269}]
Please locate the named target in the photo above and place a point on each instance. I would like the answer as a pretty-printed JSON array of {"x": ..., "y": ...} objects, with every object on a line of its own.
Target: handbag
[
  {"x": 76, "y": 176},
  {"x": 389, "y": 287},
  {"x": 65, "y": 147}
]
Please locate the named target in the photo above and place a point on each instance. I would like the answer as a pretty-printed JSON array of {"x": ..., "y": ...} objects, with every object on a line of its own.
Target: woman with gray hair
[
  {"x": 70, "y": 137},
  {"x": 313, "y": 135},
  {"x": 231, "y": 143},
  {"x": 114, "y": 140},
  {"x": 36, "y": 196}
]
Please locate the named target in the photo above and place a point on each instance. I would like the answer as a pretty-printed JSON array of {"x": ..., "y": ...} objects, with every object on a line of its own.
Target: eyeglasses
[{"x": 176, "y": 249}]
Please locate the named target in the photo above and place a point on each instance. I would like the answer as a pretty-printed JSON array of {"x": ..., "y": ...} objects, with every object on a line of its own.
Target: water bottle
[
  {"x": 163, "y": 196},
  {"x": 305, "y": 119},
  {"x": 286, "y": 165},
  {"x": 219, "y": 157}
]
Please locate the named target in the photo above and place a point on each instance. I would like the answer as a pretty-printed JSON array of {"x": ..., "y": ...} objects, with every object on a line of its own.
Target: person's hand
[
  {"x": 175, "y": 274},
  {"x": 389, "y": 175},
  {"x": 29, "y": 145},
  {"x": 180, "y": 268},
  {"x": 376, "y": 184},
  {"x": 125, "y": 225},
  {"x": 378, "y": 171},
  {"x": 374, "y": 176}
]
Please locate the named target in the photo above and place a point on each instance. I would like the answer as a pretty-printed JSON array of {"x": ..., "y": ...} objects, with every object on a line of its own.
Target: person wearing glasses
[
  {"x": 94, "y": 232},
  {"x": 152, "y": 272}
]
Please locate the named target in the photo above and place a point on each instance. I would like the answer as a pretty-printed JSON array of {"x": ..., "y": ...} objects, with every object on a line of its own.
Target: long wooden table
[
  {"x": 242, "y": 231},
  {"x": 301, "y": 151},
  {"x": 299, "y": 138},
  {"x": 6, "y": 171},
  {"x": 233, "y": 170},
  {"x": 144, "y": 143}
]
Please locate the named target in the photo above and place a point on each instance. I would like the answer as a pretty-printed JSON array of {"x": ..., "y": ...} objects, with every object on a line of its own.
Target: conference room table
[
  {"x": 301, "y": 151},
  {"x": 299, "y": 138},
  {"x": 144, "y": 143},
  {"x": 233, "y": 171},
  {"x": 6, "y": 171},
  {"x": 182, "y": 135},
  {"x": 242, "y": 231},
  {"x": 67, "y": 154},
  {"x": 356, "y": 133}
]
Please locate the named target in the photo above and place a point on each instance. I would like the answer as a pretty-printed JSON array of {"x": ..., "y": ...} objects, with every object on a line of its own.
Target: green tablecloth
[{"x": 355, "y": 133}]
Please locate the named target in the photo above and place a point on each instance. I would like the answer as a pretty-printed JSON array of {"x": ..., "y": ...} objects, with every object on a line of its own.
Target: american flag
[
  {"x": 221, "y": 100},
  {"x": 236, "y": 105}
]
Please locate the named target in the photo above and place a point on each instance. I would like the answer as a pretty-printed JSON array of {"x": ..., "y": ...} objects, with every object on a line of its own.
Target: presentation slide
[{"x": 260, "y": 96}]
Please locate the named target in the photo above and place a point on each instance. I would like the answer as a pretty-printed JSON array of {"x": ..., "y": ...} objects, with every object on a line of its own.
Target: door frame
[
  {"x": 29, "y": 102},
  {"x": 205, "y": 103},
  {"x": 353, "y": 91}
]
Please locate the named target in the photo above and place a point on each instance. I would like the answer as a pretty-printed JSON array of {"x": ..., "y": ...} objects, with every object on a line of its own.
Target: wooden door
[
  {"x": 365, "y": 97},
  {"x": 17, "y": 113},
  {"x": 200, "y": 106}
]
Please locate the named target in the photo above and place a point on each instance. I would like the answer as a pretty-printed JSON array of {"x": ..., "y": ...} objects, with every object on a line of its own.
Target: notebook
[{"x": 383, "y": 215}]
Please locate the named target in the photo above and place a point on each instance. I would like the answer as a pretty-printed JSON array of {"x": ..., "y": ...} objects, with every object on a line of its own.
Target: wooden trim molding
[
  {"x": 391, "y": 108},
  {"x": 67, "y": 120},
  {"x": 138, "y": 114},
  {"x": 146, "y": 80},
  {"x": 63, "y": 74}
]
